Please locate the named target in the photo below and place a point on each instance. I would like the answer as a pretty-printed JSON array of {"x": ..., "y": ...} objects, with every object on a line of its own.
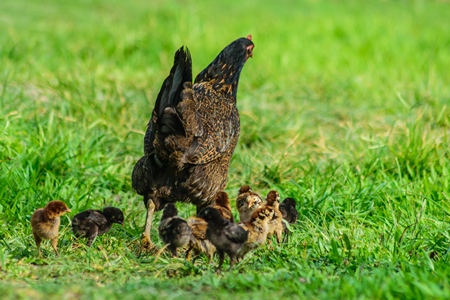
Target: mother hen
[{"x": 192, "y": 133}]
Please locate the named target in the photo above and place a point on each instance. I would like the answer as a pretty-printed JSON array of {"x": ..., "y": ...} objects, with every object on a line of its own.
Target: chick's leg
[
  {"x": 221, "y": 259},
  {"x": 147, "y": 243},
  {"x": 37, "y": 239},
  {"x": 231, "y": 262},
  {"x": 279, "y": 234},
  {"x": 92, "y": 233},
  {"x": 54, "y": 245}
]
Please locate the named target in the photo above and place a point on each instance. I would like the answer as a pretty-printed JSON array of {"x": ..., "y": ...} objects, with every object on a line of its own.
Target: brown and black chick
[
  {"x": 173, "y": 230},
  {"x": 222, "y": 204},
  {"x": 247, "y": 202},
  {"x": 45, "y": 223},
  {"x": 92, "y": 223},
  {"x": 290, "y": 214},
  {"x": 227, "y": 237},
  {"x": 257, "y": 228},
  {"x": 276, "y": 224},
  {"x": 199, "y": 243},
  {"x": 192, "y": 133}
]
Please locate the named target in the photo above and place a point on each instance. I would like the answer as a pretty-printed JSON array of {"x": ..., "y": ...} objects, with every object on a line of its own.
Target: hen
[
  {"x": 227, "y": 237},
  {"x": 45, "y": 223},
  {"x": 247, "y": 202},
  {"x": 173, "y": 230},
  {"x": 92, "y": 223},
  {"x": 192, "y": 133}
]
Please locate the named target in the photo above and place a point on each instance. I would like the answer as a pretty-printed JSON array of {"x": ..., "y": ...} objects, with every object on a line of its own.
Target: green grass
[{"x": 345, "y": 107}]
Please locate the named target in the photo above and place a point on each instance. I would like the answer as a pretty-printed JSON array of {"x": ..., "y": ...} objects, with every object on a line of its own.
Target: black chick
[
  {"x": 173, "y": 230},
  {"x": 92, "y": 223},
  {"x": 192, "y": 133},
  {"x": 227, "y": 237},
  {"x": 290, "y": 214},
  {"x": 45, "y": 223}
]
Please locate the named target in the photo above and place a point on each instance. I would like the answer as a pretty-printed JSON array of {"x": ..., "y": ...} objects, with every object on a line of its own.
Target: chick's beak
[{"x": 68, "y": 210}]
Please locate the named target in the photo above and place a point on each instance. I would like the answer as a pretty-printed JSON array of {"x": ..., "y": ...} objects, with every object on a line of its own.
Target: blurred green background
[{"x": 344, "y": 107}]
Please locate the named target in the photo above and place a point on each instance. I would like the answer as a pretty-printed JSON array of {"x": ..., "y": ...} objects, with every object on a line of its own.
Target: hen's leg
[{"x": 147, "y": 244}]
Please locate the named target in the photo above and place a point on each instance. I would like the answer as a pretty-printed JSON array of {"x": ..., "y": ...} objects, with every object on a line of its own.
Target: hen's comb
[{"x": 249, "y": 37}]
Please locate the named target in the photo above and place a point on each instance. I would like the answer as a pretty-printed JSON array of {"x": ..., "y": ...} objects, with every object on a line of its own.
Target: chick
[
  {"x": 223, "y": 206},
  {"x": 45, "y": 223},
  {"x": 173, "y": 230},
  {"x": 199, "y": 243},
  {"x": 247, "y": 202},
  {"x": 289, "y": 212},
  {"x": 257, "y": 228},
  {"x": 276, "y": 224},
  {"x": 227, "y": 237},
  {"x": 92, "y": 223}
]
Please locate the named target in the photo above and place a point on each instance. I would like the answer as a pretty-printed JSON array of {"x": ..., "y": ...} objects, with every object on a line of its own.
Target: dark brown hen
[{"x": 192, "y": 133}]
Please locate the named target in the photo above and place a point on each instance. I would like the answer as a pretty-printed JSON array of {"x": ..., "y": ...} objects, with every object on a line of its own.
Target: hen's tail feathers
[
  {"x": 181, "y": 72},
  {"x": 169, "y": 96}
]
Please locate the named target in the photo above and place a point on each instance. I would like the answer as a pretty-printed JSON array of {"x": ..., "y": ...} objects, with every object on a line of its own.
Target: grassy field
[{"x": 345, "y": 107}]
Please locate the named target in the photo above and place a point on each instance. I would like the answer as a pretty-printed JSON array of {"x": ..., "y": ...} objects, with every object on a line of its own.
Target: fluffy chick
[
  {"x": 247, "y": 202},
  {"x": 276, "y": 224},
  {"x": 92, "y": 223},
  {"x": 227, "y": 237},
  {"x": 222, "y": 204},
  {"x": 173, "y": 230},
  {"x": 257, "y": 228},
  {"x": 45, "y": 223},
  {"x": 289, "y": 212},
  {"x": 199, "y": 243}
]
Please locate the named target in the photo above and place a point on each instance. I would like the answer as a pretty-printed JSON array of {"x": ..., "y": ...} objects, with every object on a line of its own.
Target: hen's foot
[{"x": 147, "y": 245}]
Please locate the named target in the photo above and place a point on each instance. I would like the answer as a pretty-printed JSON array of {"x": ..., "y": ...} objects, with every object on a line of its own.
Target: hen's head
[{"x": 225, "y": 69}]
